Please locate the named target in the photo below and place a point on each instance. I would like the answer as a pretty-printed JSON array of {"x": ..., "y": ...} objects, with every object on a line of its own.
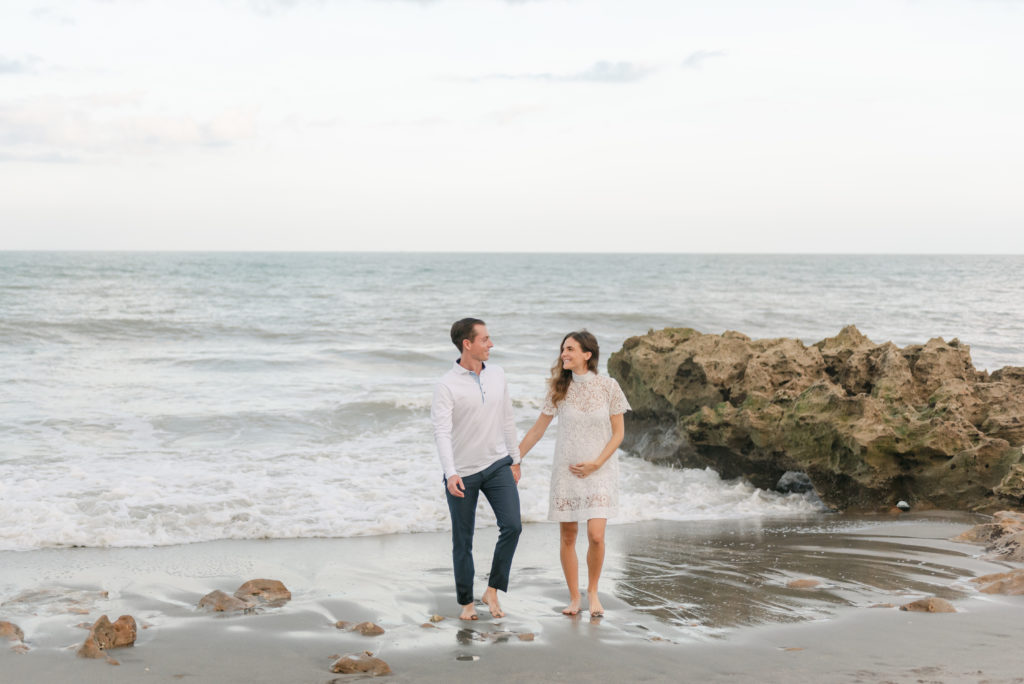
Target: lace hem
[{"x": 583, "y": 514}]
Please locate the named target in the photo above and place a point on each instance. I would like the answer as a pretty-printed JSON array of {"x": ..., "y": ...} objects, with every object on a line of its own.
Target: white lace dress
[{"x": 584, "y": 429}]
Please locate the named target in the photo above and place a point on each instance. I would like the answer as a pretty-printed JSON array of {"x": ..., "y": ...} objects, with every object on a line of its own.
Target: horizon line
[{"x": 484, "y": 252}]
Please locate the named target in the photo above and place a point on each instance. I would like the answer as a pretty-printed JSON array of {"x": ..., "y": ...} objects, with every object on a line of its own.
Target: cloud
[
  {"x": 509, "y": 115},
  {"x": 696, "y": 59},
  {"x": 53, "y": 16},
  {"x": 272, "y": 6},
  {"x": 73, "y": 129},
  {"x": 18, "y": 66},
  {"x": 599, "y": 72}
]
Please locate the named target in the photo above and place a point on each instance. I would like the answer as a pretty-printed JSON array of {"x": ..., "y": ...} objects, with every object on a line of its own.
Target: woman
[{"x": 584, "y": 478}]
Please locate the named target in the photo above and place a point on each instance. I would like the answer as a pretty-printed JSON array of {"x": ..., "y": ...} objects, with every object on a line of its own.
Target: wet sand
[{"x": 704, "y": 601}]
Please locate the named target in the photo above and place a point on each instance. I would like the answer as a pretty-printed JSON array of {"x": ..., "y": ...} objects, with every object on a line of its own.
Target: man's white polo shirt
[{"x": 473, "y": 421}]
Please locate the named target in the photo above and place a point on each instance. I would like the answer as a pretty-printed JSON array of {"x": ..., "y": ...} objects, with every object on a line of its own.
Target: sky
[{"x": 861, "y": 126}]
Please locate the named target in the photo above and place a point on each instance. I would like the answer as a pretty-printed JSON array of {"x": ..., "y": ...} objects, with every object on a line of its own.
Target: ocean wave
[{"x": 369, "y": 488}]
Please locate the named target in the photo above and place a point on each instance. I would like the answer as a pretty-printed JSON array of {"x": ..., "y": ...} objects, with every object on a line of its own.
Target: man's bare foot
[
  {"x": 490, "y": 598},
  {"x": 596, "y": 609},
  {"x": 573, "y": 608},
  {"x": 468, "y": 612}
]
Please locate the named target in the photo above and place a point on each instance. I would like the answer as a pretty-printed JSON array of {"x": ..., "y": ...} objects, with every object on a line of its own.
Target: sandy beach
[{"x": 685, "y": 601}]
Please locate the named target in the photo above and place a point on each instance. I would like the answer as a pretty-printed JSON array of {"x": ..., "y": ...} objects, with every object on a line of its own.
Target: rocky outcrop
[{"x": 868, "y": 424}]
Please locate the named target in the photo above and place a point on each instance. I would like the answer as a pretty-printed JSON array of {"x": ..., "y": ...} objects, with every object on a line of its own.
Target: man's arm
[{"x": 441, "y": 410}]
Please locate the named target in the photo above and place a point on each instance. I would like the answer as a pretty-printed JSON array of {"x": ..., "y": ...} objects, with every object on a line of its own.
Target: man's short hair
[{"x": 464, "y": 330}]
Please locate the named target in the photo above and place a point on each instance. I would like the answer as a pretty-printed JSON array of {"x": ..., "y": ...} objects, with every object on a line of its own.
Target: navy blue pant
[{"x": 498, "y": 485}]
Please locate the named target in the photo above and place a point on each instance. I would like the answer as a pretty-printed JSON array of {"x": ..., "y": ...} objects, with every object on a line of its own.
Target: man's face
[{"x": 480, "y": 348}]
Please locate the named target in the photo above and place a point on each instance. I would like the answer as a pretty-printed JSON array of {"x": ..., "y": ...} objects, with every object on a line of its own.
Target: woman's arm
[
  {"x": 618, "y": 432},
  {"x": 534, "y": 434}
]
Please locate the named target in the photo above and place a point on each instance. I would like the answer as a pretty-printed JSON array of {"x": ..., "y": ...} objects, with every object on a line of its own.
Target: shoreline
[{"x": 705, "y": 600}]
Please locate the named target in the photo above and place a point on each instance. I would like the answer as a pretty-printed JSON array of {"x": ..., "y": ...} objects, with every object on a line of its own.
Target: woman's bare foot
[
  {"x": 490, "y": 599},
  {"x": 468, "y": 612},
  {"x": 573, "y": 608},
  {"x": 596, "y": 609}
]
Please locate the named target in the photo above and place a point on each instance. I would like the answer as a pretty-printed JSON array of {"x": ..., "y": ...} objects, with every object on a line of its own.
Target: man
[{"x": 475, "y": 433}]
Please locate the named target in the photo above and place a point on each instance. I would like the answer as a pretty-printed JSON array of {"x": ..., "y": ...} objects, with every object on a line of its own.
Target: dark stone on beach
[
  {"x": 264, "y": 591},
  {"x": 105, "y": 635},
  {"x": 1003, "y": 537},
  {"x": 221, "y": 602},
  {"x": 436, "y": 618},
  {"x": 1010, "y": 583},
  {"x": 793, "y": 482},
  {"x": 361, "y": 665},
  {"x": 11, "y": 631},
  {"x": 932, "y": 604},
  {"x": 868, "y": 424}
]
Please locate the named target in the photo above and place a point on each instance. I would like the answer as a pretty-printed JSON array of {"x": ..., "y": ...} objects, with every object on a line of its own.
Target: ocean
[{"x": 167, "y": 398}]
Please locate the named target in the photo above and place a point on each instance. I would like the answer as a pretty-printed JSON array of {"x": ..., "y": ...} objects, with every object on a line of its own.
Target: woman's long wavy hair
[{"x": 562, "y": 377}]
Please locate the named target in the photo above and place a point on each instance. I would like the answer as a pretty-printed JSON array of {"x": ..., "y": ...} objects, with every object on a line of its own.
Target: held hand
[
  {"x": 517, "y": 472},
  {"x": 455, "y": 487},
  {"x": 583, "y": 469}
]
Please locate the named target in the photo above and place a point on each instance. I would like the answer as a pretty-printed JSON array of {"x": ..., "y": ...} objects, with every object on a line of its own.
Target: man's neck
[{"x": 471, "y": 364}]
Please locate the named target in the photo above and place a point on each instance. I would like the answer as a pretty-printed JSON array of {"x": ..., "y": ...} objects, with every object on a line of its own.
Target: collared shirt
[{"x": 473, "y": 421}]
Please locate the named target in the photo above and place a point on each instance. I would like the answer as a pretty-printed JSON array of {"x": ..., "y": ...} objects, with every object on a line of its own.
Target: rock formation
[{"x": 868, "y": 424}]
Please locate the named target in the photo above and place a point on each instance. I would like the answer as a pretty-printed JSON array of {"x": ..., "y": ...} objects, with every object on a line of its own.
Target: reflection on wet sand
[{"x": 707, "y": 577}]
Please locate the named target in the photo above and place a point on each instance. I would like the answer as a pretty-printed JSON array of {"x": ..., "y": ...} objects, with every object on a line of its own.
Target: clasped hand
[{"x": 583, "y": 469}]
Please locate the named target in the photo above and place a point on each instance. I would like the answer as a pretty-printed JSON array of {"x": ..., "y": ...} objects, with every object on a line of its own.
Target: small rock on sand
[
  {"x": 105, "y": 635},
  {"x": 361, "y": 665},
  {"x": 803, "y": 583},
  {"x": 221, "y": 602},
  {"x": 932, "y": 604},
  {"x": 364, "y": 628},
  {"x": 11, "y": 631},
  {"x": 368, "y": 629},
  {"x": 436, "y": 618},
  {"x": 267, "y": 591}
]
